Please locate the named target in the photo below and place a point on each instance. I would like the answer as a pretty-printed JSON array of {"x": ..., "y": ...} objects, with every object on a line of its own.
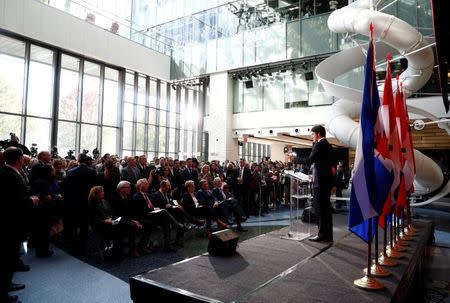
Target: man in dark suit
[
  {"x": 322, "y": 180},
  {"x": 16, "y": 203},
  {"x": 190, "y": 173},
  {"x": 77, "y": 184},
  {"x": 243, "y": 184}
]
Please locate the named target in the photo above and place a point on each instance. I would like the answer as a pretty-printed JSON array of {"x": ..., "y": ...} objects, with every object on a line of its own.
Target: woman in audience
[
  {"x": 102, "y": 222},
  {"x": 191, "y": 206},
  {"x": 206, "y": 175}
]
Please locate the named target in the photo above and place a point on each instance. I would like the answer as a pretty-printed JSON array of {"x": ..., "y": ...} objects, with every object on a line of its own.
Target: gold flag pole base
[
  {"x": 410, "y": 231},
  {"x": 398, "y": 247},
  {"x": 378, "y": 271},
  {"x": 386, "y": 261},
  {"x": 402, "y": 242},
  {"x": 392, "y": 253},
  {"x": 404, "y": 237},
  {"x": 368, "y": 283}
]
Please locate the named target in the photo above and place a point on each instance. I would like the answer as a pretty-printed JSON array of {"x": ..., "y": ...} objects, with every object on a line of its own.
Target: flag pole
[
  {"x": 368, "y": 282},
  {"x": 384, "y": 258},
  {"x": 399, "y": 244},
  {"x": 391, "y": 253},
  {"x": 376, "y": 269}
]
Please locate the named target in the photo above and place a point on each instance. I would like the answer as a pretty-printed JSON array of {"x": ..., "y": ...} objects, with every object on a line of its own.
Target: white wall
[
  {"x": 218, "y": 124},
  {"x": 40, "y": 22}
]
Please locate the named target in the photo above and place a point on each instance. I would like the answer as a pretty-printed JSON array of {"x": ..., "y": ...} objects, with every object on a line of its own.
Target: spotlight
[{"x": 240, "y": 77}]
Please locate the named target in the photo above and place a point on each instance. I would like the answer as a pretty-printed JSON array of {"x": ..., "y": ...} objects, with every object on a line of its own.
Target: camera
[
  {"x": 54, "y": 152},
  {"x": 85, "y": 151},
  {"x": 96, "y": 153},
  {"x": 34, "y": 150},
  {"x": 70, "y": 155}
]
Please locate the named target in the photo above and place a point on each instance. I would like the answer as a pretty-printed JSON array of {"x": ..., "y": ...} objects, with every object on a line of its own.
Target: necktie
[{"x": 149, "y": 203}]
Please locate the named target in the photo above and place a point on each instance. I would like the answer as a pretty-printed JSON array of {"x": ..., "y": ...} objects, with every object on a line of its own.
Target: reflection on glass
[
  {"x": 182, "y": 150},
  {"x": 252, "y": 99},
  {"x": 140, "y": 115},
  {"x": 270, "y": 43},
  {"x": 129, "y": 87},
  {"x": 140, "y": 136},
  {"x": 66, "y": 137},
  {"x": 111, "y": 97},
  {"x": 38, "y": 131},
  {"x": 152, "y": 115},
  {"x": 162, "y": 118},
  {"x": 68, "y": 91},
  {"x": 173, "y": 100},
  {"x": 173, "y": 121},
  {"x": 88, "y": 137},
  {"x": 127, "y": 135},
  {"x": 153, "y": 92},
  {"x": 128, "y": 111},
  {"x": 316, "y": 38},
  {"x": 162, "y": 140},
  {"x": 141, "y": 89},
  {"x": 172, "y": 135},
  {"x": 109, "y": 140},
  {"x": 9, "y": 124},
  {"x": 151, "y": 138},
  {"x": 40, "y": 82},
  {"x": 189, "y": 143},
  {"x": 12, "y": 61},
  {"x": 273, "y": 95},
  {"x": 163, "y": 96},
  {"x": 91, "y": 92}
]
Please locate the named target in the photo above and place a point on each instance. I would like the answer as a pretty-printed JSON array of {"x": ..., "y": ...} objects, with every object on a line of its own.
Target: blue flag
[{"x": 371, "y": 180}]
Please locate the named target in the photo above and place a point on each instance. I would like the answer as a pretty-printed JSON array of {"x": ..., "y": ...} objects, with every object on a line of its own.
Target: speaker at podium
[{"x": 223, "y": 243}]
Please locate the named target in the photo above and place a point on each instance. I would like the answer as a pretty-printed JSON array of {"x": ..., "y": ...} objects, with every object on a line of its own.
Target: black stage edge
[{"x": 270, "y": 269}]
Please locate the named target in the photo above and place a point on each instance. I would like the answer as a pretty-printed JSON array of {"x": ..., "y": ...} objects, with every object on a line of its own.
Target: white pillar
[{"x": 218, "y": 124}]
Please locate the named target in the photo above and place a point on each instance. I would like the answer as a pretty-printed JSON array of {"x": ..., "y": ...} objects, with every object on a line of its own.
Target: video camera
[{"x": 34, "y": 150}]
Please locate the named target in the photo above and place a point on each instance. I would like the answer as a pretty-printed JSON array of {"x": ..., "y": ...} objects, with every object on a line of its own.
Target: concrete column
[{"x": 218, "y": 124}]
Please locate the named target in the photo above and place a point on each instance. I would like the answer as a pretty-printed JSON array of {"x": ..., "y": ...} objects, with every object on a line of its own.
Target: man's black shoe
[
  {"x": 240, "y": 229},
  {"x": 320, "y": 239},
  {"x": 16, "y": 287},
  {"x": 22, "y": 267},
  {"x": 44, "y": 254}
]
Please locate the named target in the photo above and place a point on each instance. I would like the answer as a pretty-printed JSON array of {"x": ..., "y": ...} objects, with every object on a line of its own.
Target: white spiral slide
[{"x": 394, "y": 35}]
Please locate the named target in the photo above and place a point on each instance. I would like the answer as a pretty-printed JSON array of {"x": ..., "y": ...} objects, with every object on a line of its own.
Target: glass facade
[
  {"x": 51, "y": 98},
  {"x": 254, "y": 152}
]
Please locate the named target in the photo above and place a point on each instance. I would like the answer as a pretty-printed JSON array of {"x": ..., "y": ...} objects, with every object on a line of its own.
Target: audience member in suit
[
  {"x": 228, "y": 205},
  {"x": 191, "y": 206},
  {"x": 163, "y": 200},
  {"x": 102, "y": 221},
  {"x": 322, "y": 179},
  {"x": 121, "y": 205},
  {"x": 77, "y": 185},
  {"x": 339, "y": 183},
  {"x": 244, "y": 178},
  {"x": 190, "y": 173},
  {"x": 144, "y": 168},
  {"x": 16, "y": 203},
  {"x": 43, "y": 157},
  {"x": 130, "y": 172},
  {"x": 231, "y": 178},
  {"x": 49, "y": 211},
  {"x": 145, "y": 212},
  {"x": 206, "y": 199}
]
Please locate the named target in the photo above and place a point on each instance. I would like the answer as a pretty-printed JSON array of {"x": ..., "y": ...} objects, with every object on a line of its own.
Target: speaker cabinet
[
  {"x": 249, "y": 84},
  {"x": 223, "y": 243},
  {"x": 309, "y": 76}
]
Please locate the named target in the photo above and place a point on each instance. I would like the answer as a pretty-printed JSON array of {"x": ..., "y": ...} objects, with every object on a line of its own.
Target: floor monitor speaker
[{"x": 223, "y": 243}]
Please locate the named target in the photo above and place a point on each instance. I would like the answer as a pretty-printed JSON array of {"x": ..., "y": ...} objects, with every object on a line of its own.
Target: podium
[{"x": 299, "y": 202}]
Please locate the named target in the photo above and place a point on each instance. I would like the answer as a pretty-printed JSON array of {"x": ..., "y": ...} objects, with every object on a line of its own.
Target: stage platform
[{"x": 271, "y": 269}]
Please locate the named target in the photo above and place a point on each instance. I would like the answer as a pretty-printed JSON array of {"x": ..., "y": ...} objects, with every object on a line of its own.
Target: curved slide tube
[{"x": 394, "y": 34}]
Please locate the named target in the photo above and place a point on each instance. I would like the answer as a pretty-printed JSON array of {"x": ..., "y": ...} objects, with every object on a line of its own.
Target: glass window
[
  {"x": 127, "y": 135},
  {"x": 182, "y": 142},
  {"x": 38, "y": 131},
  {"x": 273, "y": 95},
  {"x": 296, "y": 90},
  {"x": 66, "y": 137},
  {"x": 316, "y": 38},
  {"x": 152, "y": 115},
  {"x": 91, "y": 92},
  {"x": 109, "y": 140},
  {"x": 140, "y": 136},
  {"x": 88, "y": 137},
  {"x": 252, "y": 99},
  {"x": 40, "y": 82},
  {"x": 111, "y": 97},
  {"x": 153, "y": 85},
  {"x": 129, "y": 87},
  {"x": 68, "y": 91},
  {"x": 172, "y": 135},
  {"x": 151, "y": 138},
  {"x": 173, "y": 119},
  {"x": 162, "y": 140},
  {"x": 293, "y": 40},
  {"x": 128, "y": 111},
  {"x": 238, "y": 98},
  {"x": 270, "y": 43},
  {"x": 173, "y": 99},
  {"x": 12, "y": 53},
  {"x": 140, "y": 115},
  {"x": 9, "y": 124},
  {"x": 142, "y": 81},
  {"x": 163, "y": 96},
  {"x": 189, "y": 143},
  {"x": 162, "y": 118}
]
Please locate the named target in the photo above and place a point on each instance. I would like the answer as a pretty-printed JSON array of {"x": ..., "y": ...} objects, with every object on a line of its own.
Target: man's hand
[{"x": 35, "y": 200}]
